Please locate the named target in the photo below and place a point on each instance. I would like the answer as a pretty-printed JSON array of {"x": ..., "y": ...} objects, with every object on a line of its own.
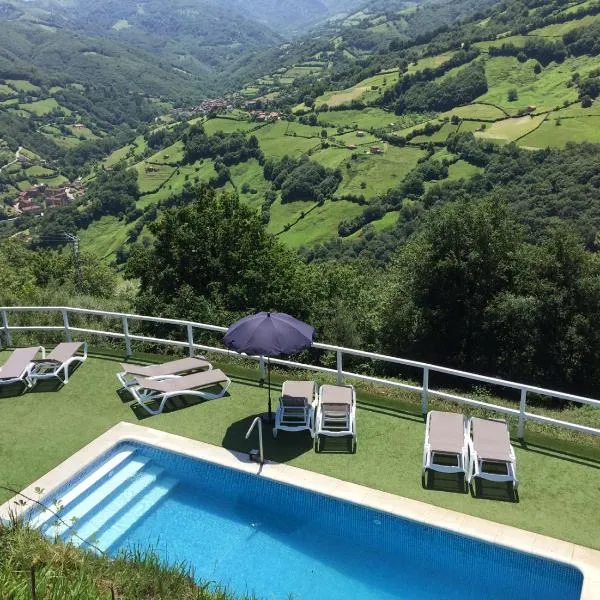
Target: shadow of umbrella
[{"x": 289, "y": 445}]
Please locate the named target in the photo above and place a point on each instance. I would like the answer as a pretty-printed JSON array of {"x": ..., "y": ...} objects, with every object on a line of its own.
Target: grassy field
[
  {"x": 367, "y": 119},
  {"x": 226, "y": 125},
  {"x": 559, "y": 29},
  {"x": 511, "y": 129},
  {"x": 84, "y": 132},
  {"x": 559, "y": 482},
  {"x": 367, "y": 90},
  {"x": 39, "y": 171},
  {"x": 386, "y": 222},
  {"x": 137, "y": 147},
  {"x": 577, "y": 129},
  {"x": 439, "y": 136},
  {"x": 250, "y": 173},
  {"x": 22, "y": 85},
  {"x": 274, "y": 144},
  {"x": 103, "y": 237},
  {"x": 430, "y": 62},
  {"x": 546, "y": 91},
  {"x": 462, "y": 170},
  {"x": 331, "y": 157},
  {"x": 151, "y": 177},
  {"x": 516, "y": 40},
  {"x": 487, "y": 112},
  {"x": 319, "y": 225},
  {"x": 352, "y": 138},
  {"x": 379, "y": 172},
  {"x": 43, "y": 107},
  {"x": 6, "y": 91},
  {"x": 171, "y": 155}
]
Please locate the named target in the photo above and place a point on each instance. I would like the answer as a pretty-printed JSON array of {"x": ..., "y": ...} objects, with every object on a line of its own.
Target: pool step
[
  {"x": 112, "y": 463},
  {"x": 135, "y": 512},
  {"x": 127, "y": 471},
  {"x": 88, "y": 527}
]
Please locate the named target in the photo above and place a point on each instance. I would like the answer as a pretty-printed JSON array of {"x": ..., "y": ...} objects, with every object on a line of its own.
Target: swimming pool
[{"x": 255, "y": 535}]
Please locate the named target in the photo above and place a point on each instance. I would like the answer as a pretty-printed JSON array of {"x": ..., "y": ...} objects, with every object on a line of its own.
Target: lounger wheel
[
  {"x": 354, "y": 445},
  {"x": 275, "y": 432},
  {"x": 318, "y": 443}
]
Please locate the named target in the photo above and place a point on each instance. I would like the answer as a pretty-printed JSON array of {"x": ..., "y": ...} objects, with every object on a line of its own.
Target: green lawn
[
  {"x": 368, "y": 118},
  {"x": 251, "y": 173},
  {"x": 275, "y": 144},
  {"x": 577, "y": 129},
  {"x": 103, "y": 237},
  {"x": 462, "y": 170},
  {"x": 22, "y": 85},
  {"x": 43, "y": 107},
  {"x": 151, "y": 177},
  {"x": 476, "y": 111},
  {"x": 511, "y": 129},
  {"x": 559, "y": 483},
  {"x": 226, "y": 125}
]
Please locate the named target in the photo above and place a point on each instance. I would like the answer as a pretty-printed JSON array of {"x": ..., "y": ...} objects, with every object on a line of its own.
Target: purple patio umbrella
[{"x": 269, "y": 334}]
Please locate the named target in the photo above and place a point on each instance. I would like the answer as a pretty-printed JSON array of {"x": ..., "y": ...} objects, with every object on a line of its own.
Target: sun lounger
[
  {"x": 18, "y": 367},
  {"x": 336, "y": 413},
  {"x": 147, "y": 390},
  {"x": 173, "y": 368},
  {"x": 446, "y": 443},
  {"x": 491, "y": 455},
  {"x": 58, "y": 362},
  {"x": 296, "y": 407}
]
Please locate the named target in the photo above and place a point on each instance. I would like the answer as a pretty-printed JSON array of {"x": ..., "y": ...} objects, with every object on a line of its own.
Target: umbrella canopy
[{"x": 269, "y": 334}]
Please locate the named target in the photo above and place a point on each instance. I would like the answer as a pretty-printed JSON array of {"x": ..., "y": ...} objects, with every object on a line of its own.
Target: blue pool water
[{"x": 257, "y": 536}]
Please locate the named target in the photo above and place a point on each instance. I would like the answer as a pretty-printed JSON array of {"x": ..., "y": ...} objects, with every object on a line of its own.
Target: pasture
[
  {"x": 104, "y": 237},
  {"x": 151, "y": 177},
  {"x": 44, "y": 107},
  {"x": 576, "y": 129},
  {"x": 367, "y": 119},
  {"x": 275, "y": 144},
  {"x": 211, "y": 126},
  {"x": 511, "y": 129},
  {"x": 475, "y": 111},
  {"x": 22, "y": 85}
]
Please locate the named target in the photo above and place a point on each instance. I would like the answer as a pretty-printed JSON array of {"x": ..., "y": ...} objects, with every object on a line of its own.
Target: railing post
[
  {"x": 425, "y": 391},
  {"x": 261, "y": 368},
  {"x": 522, "y": 407},
  {"x": 65, "y": 315},
  {"x": 190, "y": 334},
  {"x": 7, "y": 335},
  {"x": 128, "y": 351},
  {"x": 340, "y": 367}
]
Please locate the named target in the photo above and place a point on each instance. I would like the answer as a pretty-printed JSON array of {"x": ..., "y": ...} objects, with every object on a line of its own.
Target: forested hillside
[{"x": 444, "y": 157}]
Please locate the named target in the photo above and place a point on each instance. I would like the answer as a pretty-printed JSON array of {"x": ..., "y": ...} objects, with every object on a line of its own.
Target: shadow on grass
[
  {"x": 336, "y": 445},
  {"x": 578, "y": 459},
  {"x": 493, "y": 490},
  {"x": 444, "y": 482},
  {"x": 287, "y": 446}
]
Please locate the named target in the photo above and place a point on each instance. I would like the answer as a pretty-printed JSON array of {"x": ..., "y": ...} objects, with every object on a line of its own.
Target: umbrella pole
[{"x": 269, "y": 385}]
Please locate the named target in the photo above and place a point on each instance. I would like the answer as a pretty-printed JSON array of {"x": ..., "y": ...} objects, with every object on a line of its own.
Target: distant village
[
  {"x": 39, "y": 198},
  {"x": 204, "y": 108}
]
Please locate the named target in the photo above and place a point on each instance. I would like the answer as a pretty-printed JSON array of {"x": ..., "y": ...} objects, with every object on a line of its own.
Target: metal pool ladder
[{"x": 257, "y": 455}]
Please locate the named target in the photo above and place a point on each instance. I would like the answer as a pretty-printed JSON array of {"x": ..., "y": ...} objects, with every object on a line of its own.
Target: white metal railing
[
  {"x": 189, "y": 327},
  {"x": 261, "y": 453}
]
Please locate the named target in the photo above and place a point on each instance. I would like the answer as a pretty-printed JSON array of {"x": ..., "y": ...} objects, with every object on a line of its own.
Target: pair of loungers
[
  {"x": 477, "y": 448},
  {"x": 329, "y": 412},
  {"x": 26, "y": 366},
  {"x": 155, "y": 384}
]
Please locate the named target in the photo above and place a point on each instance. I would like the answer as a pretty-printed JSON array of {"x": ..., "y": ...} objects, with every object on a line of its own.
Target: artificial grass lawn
[{"x": 559, "y": 485}]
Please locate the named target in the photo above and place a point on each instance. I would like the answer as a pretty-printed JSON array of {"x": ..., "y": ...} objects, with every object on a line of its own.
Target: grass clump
[{"x": 61, "y": 571}]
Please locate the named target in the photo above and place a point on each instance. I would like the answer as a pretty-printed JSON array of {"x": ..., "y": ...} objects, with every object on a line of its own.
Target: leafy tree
[
  {"x": 213, "y": 260},
  {"x": 513, "y": 95}
]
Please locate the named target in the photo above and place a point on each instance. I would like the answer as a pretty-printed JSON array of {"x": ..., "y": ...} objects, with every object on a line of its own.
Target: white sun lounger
[
  {"x": 336, "y": 413},
  {"x": 446, "y": 443},
  {"x": 18, "y": 366},
  {"x": 296, "y": 407},
  {"x": 173, "y": 368},
  {"x": 58, "y": 362},
  {"x": 491, "y": 455},
  {"x": 147, "y": 390}
]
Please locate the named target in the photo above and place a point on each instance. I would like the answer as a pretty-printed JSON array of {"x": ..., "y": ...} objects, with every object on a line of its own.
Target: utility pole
[{"x": 74, "y": 241}]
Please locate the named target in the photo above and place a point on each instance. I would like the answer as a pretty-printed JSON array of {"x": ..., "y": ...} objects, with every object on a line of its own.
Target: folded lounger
[
  {"x": 336, "y": 413},
  {"x": 58, "y": 362},
  {"x": 147, "y": 390},
  {"x": 18, "y": 367},
  {"x": 491, "y": 455},
  {"x": 173, "y": 368},
  {"x": 296, "y": 409},
  {"x": 446, "y": 443}
]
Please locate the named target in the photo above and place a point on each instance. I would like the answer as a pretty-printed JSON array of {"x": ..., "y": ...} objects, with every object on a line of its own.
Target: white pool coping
[{"x": 585, "y": 559}]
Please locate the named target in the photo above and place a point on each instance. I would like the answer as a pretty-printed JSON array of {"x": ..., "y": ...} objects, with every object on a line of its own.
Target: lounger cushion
[
  {"x": 298, "y": 393},
  {"x": 446, "y": 432},
  {"x": 181, "y": 384},
  {"x": 491, "y": 439},
  {"x": 336, "y": 394},
  {"x": 17, "y": 362},
  {"x": 172, "y": 367},
  {"x": 65, "y": 351}
]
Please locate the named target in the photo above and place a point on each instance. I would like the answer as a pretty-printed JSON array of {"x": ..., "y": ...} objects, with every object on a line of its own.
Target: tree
[
  {"x": 445, "y": 278},
  {"x": 537, "y": 69},
  {"x": 213, "y": 260},
  {"x": 586, "y": 102},
  {"x": 513, "y": 95}
]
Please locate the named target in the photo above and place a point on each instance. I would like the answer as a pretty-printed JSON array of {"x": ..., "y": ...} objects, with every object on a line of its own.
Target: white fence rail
[{"x": 189, "y": 327}]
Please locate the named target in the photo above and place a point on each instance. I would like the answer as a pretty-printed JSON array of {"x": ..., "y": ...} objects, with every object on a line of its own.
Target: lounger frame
[
  {"x": 295, "y": 417},
  {"x": 336, "y": 422},
  {"x": 462, "y": 458},
  {"x": 25, "y": 376},
  {"x": 50, "y": 369},
  {"x": 145, "y": 396},
  {"x": 128, "y": 379},
  {"x": 476, "y": 464}
]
